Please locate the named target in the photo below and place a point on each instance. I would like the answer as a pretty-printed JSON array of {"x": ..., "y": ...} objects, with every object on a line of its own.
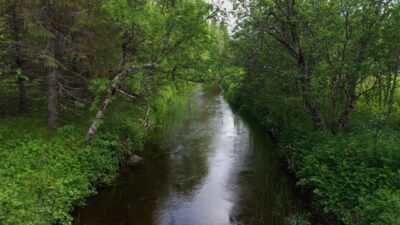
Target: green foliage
[
  {"x": 380, "y": 208},
  {"x": 322, "y": 56},
  {"x": 83, "y": 46},
  {"x": 347, "y": 172},
  {"x": 45, "y": 174},
  {"x": 323, "y": 76},
  {"x": 168, "y": 110},
  {"x": 120, "y": 12},
  {"x": 231, "y": 79},
  {"x": 42, "y": 179}
]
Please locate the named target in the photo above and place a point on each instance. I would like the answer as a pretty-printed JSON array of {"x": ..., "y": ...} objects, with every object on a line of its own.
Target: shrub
[
  {"x": 41, "y": 179},
  {"x": 45, "y": 173},
  {"x": 343, "y": 170},
  {"x": 381, "y": 208}
]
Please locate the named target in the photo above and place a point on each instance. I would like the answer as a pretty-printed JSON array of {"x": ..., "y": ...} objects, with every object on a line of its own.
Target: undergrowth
[{"x": 45, "y": 173}]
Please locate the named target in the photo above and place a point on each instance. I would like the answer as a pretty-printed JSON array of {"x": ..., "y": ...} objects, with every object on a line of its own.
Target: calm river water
[{"x": 217, "y": 168}]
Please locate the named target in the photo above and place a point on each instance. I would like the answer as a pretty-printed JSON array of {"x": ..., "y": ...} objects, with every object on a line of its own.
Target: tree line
[
  {"x": 84, "y": 84},
  {"x": 322, "y": 56},
  {"x": 323, "y": 77},
  {"x": 65, "y": 55}
]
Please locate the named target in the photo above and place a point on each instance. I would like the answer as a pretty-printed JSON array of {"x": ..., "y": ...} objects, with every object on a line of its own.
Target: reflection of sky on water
[{"x": 212, "y": 202}]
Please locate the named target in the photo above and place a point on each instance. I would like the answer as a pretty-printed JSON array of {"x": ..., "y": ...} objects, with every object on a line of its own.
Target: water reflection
[
  {"x": 220, "y": 169},
  {"x": 266, "y": 193}
]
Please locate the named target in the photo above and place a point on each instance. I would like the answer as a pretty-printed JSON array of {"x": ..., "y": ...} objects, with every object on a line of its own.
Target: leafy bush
[
  {"x": 45, "y": 173},
  {"x": 41, "y": 179},
  {"x": 230, "y": 82},
  {"x": 345, "y": 172},
  {"x": 381, "y": 208}
]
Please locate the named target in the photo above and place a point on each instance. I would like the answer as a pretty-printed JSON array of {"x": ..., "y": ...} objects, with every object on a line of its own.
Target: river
[{"x": 217, "y": 168}]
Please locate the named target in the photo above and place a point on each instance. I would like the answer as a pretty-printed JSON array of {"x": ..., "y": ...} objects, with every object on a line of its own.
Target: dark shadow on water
[{"x": 267, "y": 192}]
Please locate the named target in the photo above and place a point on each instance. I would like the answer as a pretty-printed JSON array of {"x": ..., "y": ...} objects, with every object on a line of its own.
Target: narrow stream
[{"x": 220, "y": 168}]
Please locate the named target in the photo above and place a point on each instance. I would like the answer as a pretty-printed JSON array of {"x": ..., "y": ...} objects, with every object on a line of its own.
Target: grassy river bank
[{"x": 45, "y": 173}]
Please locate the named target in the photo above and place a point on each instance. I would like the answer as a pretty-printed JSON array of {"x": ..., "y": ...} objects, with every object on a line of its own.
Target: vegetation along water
[{"x": 199, "y": 112}]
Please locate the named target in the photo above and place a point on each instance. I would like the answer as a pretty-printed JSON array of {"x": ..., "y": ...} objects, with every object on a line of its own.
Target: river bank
[
  {"x": 44, "y": 173},
  {"x": 349, "y": 177}
]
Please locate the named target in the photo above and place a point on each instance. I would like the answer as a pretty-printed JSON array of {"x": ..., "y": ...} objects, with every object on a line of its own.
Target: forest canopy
[
  {"x": 85, "y": 83},
  {"x": 322, "y": 77}
]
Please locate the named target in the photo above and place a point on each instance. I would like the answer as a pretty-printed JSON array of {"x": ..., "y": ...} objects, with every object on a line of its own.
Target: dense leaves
[
  {"x": 348, "y": 172},
  {"x": 322, "y": 76},
  {"x": 45, "y": 174},
  {"x": 117, "y": 68},
  {"x": 41, "y": 180}
]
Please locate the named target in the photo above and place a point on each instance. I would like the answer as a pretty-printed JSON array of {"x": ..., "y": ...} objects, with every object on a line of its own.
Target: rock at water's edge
[{"x": 133, "y": 160}]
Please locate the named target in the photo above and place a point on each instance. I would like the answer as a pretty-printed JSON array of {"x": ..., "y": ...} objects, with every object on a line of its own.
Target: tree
[
  {"x": 15, "y": 22},
  {"x": 168, "y": 40},
  {"x": 332, "y": 51}
]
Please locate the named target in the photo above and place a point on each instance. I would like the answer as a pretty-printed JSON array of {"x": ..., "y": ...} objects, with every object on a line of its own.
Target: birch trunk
[{"x": 106, "y": 102}]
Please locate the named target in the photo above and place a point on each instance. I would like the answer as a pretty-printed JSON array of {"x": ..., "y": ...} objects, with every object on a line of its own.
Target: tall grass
[{"x": 170, "y": 111}]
